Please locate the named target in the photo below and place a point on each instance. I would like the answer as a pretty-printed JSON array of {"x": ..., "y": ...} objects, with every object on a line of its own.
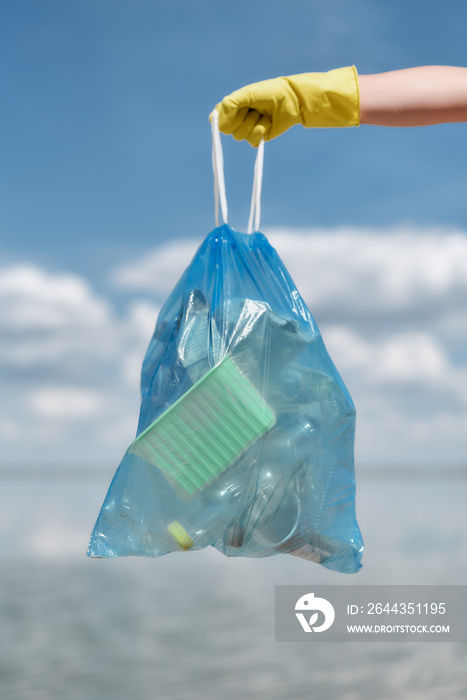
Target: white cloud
[
  {"x": 69, "y": 366},
  {"x": 32, "y": 298},
  {"x": 391, "y": 306},
  {"x": 411, "y": 398},
  {"x": 139, "y": 326},
  {"x": 402, "y": 357},
  {"x": 371, "y": 273},
  {"x": 158, "y": 270},
  {"x": 51, "y": 318},
  {"x": 366, "y": 273},
  {"x": 62, "y": 403}
]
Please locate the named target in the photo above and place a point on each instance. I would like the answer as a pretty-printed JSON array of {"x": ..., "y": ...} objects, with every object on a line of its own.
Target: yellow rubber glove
[{"x": 265, "y": 110}]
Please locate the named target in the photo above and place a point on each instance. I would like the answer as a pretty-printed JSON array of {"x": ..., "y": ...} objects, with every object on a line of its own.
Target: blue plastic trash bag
[{"x": 246, "y": 430}]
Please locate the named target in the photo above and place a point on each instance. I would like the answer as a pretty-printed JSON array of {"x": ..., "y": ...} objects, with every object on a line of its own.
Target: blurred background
[{"x": 105, "y": 194}]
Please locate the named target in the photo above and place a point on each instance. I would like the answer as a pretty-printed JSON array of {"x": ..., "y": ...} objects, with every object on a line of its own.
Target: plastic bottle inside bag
[{"x": 200, "y": 343}]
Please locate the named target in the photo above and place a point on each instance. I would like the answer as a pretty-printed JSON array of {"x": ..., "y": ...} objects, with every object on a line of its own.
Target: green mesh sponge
[{"x": 206, "y": 430}]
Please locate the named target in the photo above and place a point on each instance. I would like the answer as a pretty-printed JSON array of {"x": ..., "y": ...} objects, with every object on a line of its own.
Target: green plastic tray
[{"x": 206, "y": 429}]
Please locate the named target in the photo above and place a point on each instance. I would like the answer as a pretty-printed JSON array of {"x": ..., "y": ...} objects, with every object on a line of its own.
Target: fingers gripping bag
[{"x": 246, "y": 430}]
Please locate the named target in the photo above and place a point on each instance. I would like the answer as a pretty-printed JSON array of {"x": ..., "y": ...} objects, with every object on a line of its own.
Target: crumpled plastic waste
[{"x": 246, "y": 431}]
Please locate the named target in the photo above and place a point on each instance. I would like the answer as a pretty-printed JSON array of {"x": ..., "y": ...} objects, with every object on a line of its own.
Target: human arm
[
  {"x": 409, "y": 97},
  {"x": 414, "y": 96}
]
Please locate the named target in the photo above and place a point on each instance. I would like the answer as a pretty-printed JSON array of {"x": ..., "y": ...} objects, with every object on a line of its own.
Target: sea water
[{"x": 199, "y": 625}]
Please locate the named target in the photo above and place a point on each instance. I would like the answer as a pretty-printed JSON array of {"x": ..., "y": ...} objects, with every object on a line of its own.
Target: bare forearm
[{"x": 414, "y": 96}]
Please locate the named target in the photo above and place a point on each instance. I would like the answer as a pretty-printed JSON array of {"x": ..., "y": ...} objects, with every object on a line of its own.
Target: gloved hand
[{"x": 267, "y": 109}]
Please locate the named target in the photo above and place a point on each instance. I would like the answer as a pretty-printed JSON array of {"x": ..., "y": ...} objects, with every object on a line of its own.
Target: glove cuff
[{"x": 328, "y": 99}]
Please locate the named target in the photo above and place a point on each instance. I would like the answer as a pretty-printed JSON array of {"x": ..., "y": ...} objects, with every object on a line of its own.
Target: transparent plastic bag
[{"x": 246, "y": 430}]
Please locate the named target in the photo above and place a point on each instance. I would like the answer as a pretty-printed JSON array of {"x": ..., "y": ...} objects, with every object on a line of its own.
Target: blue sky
[
  {"x": 106, "y": 190},
  {"x": 104, "y": 119}
]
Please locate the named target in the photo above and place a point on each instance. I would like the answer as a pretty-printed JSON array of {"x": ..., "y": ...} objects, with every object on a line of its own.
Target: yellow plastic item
[
  {"x": 265, "y": 110},
  {"x": 180, "y": 534}
]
